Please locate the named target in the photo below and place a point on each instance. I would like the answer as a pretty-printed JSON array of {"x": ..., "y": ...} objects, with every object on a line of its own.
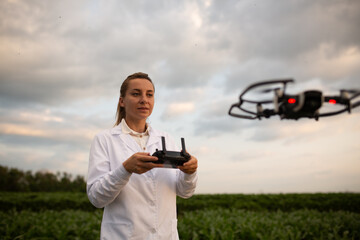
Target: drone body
[{"x": 306, "y": 104}]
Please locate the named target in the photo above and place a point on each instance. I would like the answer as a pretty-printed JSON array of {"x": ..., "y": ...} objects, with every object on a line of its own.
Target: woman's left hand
[{"x": 190, "y": 166}]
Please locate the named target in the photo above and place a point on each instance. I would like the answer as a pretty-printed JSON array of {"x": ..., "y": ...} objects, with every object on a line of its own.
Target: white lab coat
[{"x": 137, "y": 206}]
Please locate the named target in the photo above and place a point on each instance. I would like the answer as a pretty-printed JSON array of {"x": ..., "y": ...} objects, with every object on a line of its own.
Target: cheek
[{"x": 127, "y": 103}]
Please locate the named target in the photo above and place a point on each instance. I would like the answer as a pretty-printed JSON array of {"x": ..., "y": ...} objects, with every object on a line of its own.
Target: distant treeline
[{"x": 15, "y": 180}]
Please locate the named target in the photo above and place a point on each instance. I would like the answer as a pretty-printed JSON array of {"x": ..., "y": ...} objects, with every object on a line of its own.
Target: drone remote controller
[{"x": 170, "y": 158}]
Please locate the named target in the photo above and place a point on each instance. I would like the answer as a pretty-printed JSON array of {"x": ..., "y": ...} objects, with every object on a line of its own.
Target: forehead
[{"x": 141, "y": 84}]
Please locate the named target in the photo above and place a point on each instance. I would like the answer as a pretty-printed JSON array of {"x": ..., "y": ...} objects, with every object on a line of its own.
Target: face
[{"x": 138, "y": 100}]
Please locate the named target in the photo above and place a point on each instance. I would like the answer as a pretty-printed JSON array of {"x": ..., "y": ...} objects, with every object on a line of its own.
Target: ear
[{"x": 121, "y": 102}]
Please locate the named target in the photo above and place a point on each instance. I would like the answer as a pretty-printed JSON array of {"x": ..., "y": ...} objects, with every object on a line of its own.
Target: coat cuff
[
  {"x": 190, "y": 177},
  {"x": 122, "y": 174}
]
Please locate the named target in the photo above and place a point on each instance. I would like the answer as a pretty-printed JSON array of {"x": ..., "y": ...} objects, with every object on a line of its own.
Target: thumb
[{"x": 144, "y": 153}]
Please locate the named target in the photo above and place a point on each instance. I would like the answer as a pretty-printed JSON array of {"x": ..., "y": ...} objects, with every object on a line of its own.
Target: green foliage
[
  {"x": 241, "y": 224},
  {"x": 14, "y": 180},
  {"x": 203, "y": 224},
  {"x": 67, "y": 225},
  {"x": 272, "y": 202},
  {"x": 65, "y": 215},
  {"x": 37, "y": 201},
  {"x": 44, "y": 201}
]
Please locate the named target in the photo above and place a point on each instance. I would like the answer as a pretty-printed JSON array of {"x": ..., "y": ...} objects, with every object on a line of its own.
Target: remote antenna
[
  {"x": 163, "y": 143},
  {"x": 183, "y": 145}
]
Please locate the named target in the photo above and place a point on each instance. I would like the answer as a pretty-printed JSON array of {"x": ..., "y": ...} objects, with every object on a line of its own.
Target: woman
[{"x": 138, "y": 195}]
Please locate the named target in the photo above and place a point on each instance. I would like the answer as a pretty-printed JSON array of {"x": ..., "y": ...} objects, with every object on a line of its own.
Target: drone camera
[
  {"x": 313, "y": 101},
  {"x": 304, "y": 104}
]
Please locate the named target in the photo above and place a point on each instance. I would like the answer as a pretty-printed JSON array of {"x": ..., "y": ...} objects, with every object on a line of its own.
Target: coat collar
[{"x": 154, "y": 137}]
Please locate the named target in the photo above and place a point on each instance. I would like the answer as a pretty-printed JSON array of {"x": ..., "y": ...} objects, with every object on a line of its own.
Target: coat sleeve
[
  {"x": 186, "y": 184},
  {"x": 103, "y": 185}
]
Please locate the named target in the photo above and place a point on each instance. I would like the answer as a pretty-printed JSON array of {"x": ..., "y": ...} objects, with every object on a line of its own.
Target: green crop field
[{"x": 219, "y": 216}]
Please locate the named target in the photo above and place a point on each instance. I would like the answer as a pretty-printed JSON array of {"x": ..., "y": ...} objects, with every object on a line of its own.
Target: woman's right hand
[{"x": 140, "y": 163}]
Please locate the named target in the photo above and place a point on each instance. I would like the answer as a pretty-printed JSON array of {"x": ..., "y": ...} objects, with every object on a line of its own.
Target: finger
[
  {"x": 150, "y": 165},
  {"x": 186, "y": 167},
  {"x": 192, "y": 161},
  {"x": 148, "y": 158},
  {"x": 142, "y": 169},
  {"x": 188, "y": 163},
  {"x": 142, "y": 154},
  {"x": 156, "y": 165},
  {"x": 189, "y": 166},
  {"x": 188, "y": 171}
]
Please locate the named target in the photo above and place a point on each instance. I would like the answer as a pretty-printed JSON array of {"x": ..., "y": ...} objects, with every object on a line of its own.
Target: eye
[
  {"x": 135, "y": 94},
  {"x": 150, "y": 94}
]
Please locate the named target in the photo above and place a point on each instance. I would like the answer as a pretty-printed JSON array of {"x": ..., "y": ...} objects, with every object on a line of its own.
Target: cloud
[
  {"x": 58, "y": 56},
  {"x": 177, "y": 109},
  {"x": 286, "y": 40},
  {"x": 46, "y": 128},
  {"x": 55, "y": 56},
  {"x": 332, "y": 64},
  {"x": 52, "y": 158},
  {"x": 212, "y": 124},
  {"x": 284, "y": 30}
]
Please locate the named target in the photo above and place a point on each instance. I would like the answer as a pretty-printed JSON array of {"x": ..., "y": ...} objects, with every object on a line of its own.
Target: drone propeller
[
  {"x": 345, "y": 93},
  {"x": 349, "y": 90},
  {"x": 267, "y": 90}
]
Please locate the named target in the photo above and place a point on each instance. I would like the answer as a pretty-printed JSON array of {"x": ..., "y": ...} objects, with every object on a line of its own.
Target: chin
[{"x": 144, "y": 117}]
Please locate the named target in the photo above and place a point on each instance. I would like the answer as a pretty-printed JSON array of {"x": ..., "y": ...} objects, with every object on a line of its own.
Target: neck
[{"x": 136, "y": 125}]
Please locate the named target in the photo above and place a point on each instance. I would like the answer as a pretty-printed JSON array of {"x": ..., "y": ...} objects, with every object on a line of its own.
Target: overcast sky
[{"x": 62, "y": 64}]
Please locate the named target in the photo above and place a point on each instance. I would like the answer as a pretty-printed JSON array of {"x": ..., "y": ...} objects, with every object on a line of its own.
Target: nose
[{"x": 144, "y": 99}]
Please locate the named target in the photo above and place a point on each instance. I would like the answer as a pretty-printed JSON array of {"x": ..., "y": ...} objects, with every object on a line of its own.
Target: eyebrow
[{"x": 139, "y": 90}]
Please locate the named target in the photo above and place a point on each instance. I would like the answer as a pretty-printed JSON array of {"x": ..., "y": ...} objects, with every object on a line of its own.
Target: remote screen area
[{"x": 61, "y": 67}]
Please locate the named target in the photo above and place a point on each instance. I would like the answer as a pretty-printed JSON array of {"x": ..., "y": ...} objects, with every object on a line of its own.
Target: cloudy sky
[{"x": 62, "y": 64}]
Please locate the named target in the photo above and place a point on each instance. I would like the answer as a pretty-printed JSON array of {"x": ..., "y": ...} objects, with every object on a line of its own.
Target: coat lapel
[
  {"x": 154, "y": 138},
  {"x": 130, "y": 142},
  {"x": 126, "y": 139}
]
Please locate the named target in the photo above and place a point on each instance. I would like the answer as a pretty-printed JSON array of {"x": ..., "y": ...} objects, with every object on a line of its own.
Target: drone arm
[
  {"x": 343, "y": 101},
  {"x": 337, "y": 99},
  {"x": 356, "y": 104},
  {"x": 238, "y": 115},
  {"x": 355, "y": 95},
  {"x": 265, "y": 113}
]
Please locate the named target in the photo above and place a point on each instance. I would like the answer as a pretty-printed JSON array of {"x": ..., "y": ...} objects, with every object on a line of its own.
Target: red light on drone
[
  {"x": 291, "y": 100},
  {"x": 332, "y": 101}
]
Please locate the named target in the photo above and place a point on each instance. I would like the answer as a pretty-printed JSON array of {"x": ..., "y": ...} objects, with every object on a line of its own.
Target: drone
[{"x": 303, "y": 105}]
